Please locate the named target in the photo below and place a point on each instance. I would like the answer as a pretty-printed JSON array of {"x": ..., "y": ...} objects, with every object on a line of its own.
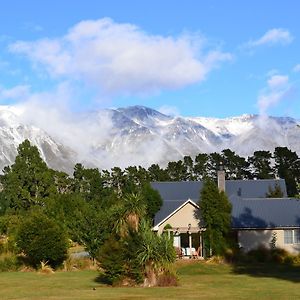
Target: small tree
[
  {"x": 41, "y": 239},
  {"x": 155, "y": 254},
  {"x": 128, "y": 213},
  {"x": 275, "y": 193},
  {"x": 273, "y": 241},
  {"x": 133, "y": 251},
  {"x": 140, "y": 256},
  {"x": 111, "y": 257},
  {"x": 298, "y": 191},
  {"x": 152, "y": 199},
  {"x": 215, "y": 213},
  {"x": 94, "y": 229}
]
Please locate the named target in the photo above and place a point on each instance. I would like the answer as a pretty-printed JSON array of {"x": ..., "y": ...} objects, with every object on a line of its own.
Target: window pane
[
  {"x": 288, "y": 236},
  {"x": 297, "y": 236}
]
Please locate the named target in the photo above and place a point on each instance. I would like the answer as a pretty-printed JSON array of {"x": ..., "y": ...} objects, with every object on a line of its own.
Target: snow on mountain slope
[
  {"x": 229, "y": 126},
  {"x": 268, "y": 133},
  {"x": 138, "y": 135},
  {"x": 189, "y": 136},
  {"x": 13, "y": 132}
]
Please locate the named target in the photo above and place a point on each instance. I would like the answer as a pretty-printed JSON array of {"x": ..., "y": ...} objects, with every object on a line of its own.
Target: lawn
[{"x": 198, "y": 280}]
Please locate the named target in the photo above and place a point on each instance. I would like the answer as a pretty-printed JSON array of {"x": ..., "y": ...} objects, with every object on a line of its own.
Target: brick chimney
[{"x": 221, "y": 178}]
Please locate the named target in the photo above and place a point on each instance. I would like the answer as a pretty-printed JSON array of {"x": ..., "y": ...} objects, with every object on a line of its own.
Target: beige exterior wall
[
  {"x": 181, "y": 219},
  {"x": 248, "y": 239},
  {"x": 252, "y": 239}
]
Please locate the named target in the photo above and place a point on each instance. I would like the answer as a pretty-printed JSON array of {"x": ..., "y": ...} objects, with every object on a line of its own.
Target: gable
[{"x": 180, "y": 217}]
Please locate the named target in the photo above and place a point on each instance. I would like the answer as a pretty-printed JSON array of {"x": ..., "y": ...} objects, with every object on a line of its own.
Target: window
[
  {"x": 292, "y": 236},
  {"x": 296, "y": 236},
  {"x": 288, "y": 236}
]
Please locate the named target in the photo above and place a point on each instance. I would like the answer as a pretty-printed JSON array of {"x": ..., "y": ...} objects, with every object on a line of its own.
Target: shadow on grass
[
  {"x": 269, "y": 270},
  {"x": 102, "y": 279}
]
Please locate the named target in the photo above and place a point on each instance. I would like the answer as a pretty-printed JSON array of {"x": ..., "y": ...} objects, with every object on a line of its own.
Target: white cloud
[
  {"x": 169, "y": 110},
  {"x": 50, "y": 111},
  {"x": 121, "y": 58},
  {"x": 278, "y": 82},
  {"x": 275, "y": 36},
  {"x": 297, "y": 68},
  {"x": 278, "y": 88},
  {"x": 49, "y": 53},
  {"x": 19, "y": 92},
  {"x": 91, "y": 135},
  {"x": 272, "y": 72}
]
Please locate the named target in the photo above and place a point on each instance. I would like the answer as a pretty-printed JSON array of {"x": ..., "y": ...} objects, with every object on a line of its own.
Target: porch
[{"x": 187, "y": 241}]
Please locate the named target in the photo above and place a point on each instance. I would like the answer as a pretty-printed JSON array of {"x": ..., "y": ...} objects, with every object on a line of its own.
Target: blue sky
[{"x": 193, "y": 58}]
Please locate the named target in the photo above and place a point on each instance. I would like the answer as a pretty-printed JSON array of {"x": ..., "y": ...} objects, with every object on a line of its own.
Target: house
[{"x": 256, "y": 220}]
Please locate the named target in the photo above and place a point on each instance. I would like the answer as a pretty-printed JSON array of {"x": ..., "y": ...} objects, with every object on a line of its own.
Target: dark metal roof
[
  {"x": 185, "y": 190},
  {"x": 182, "y": 190},
  {"x": 174, "y": 194},
  {"x": 250, "y": 208},
  {"x": 253, "y": 188},
  {"x": 265, "y": 213}
]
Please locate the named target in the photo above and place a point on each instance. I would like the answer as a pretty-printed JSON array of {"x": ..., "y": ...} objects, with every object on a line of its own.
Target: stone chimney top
[{"x": 221, "y": 178}]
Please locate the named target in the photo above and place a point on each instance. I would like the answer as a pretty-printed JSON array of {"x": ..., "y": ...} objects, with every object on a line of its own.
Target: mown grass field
[{"x": 198, "y": 280}]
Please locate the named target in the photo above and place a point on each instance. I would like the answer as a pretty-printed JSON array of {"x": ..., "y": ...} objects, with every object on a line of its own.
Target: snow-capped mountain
[
  {"x": 139, "y": 135},
  {"x": 13, "y": 132}
]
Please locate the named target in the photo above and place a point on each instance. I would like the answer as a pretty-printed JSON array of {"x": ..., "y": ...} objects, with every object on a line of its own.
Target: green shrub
[
  {"x": 296, "y": 260},
  {"x": 289, "y": 260},
  {"x": 78, "y": 263},
  {"x": 111, "y": 259},
  {"x": 264, "y": 255},
  {"x": 168, "y": 226},
  {"x": 279, "y": 255},
  {"x": 261, "y": 254},
  {"x": 8, "y": 244},
  {"x": 118, "y": 259},
  {"x": 3, "y": 245},
  {"x": 155, "y": 254},
  {"x": 8, "y": 224},
  {"x": 41, "y": 239},
  {"x": 8, "y": 228},
  {"x": 9, "y": 262},
  {"x": 141, "y": 256}
]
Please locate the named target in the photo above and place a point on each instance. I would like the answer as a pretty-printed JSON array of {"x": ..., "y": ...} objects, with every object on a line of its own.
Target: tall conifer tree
[{"x": 215, "y": 214}]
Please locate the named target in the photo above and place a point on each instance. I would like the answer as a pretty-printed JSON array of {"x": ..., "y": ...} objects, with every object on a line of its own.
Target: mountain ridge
[{"x": 139, "y": 135}]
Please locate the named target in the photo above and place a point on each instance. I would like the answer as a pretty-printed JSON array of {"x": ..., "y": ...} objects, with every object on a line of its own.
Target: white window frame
[
  {"x": 291, "y": 236},
  {"x": 296, "y": 236},
  {"x": 288, "y": 236}
]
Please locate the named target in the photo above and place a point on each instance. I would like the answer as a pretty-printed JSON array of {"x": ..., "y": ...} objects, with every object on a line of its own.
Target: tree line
[
  {"x": 282, "y": 163},
  {"x": 113, "y": 209},
  {"x": 29, "y": 181},
  {"x": 42, "y": 209}
]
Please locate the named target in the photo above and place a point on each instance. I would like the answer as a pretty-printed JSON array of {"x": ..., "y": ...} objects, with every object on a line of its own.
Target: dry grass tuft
[
  {"x": 26, "y": 269},
  {"x": 216, "y": 260},
  {"x": 82, "y": 263},
  {"x": 167, "y": 279},
  {"x": 45, "y": 268}
]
